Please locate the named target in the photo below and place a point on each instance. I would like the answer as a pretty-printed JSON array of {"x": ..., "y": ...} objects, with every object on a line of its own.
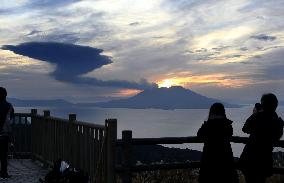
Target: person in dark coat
[
  {"x": 265, "y": 128},
  {"x": 5, "y": 109},
  {"x": 217, "y": 161}
]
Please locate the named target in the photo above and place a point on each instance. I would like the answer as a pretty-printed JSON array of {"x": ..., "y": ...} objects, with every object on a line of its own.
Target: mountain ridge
[{"x": 175, "y": 97}]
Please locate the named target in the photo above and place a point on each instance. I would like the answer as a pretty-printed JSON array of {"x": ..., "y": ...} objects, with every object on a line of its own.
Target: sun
[{"x": 167, "y": 83}]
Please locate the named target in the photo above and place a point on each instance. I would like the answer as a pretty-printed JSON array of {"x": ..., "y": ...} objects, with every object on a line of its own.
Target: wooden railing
[
  {"x": 92, "y": 147},
  {"x": 127, "y": 142},
  {"x": 21, "y": 134},
  {"x": 83, "y": 145}
]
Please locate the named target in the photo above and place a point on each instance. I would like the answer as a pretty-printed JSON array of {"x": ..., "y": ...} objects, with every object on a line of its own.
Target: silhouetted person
[
  {"x": 6, "y": 111},
  {"x": 265, "y": 128},
  {"x": 217, "y": 161}
]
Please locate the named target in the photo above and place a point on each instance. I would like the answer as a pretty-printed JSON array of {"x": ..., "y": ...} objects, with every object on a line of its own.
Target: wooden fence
[
  {"x": 21, "y": 128},
  {"x": 83, "y": 145},
  {"x": 92, "y": 147},
  {"x": 127, "y": 142}
]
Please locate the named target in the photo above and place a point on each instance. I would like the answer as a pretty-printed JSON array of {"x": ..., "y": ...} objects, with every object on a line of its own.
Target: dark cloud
[
  {"x": 201, "y": 50},
  {"x": 50, "y": 3},
  {"x": 70, "y": 60},
  {"x": 257, "y": 57},
  {"x": 266, "y": 67},
  {"x": 271, "y": 47},
  {"x": 272, "y": 7},
  {"x": 33, "y": 32},
  {"x": 260, "y": 17},
  {"x": 186, "y": 5},
  {"x": 37, "y": 4},
  {"x": 134, "y": 23},
  {"x": 73, "y": 61},
  {"x": 244, "y": 49},
  {"x": 142, "y": 84},
  {"x": 264, "y": 37},
  {"x": 273, "y": 65},
  {"x": 234, "y": 56},
  {"x": 6, "y": 11},
  {"x": 274, "y": 72},
  {"x": 64, "y": 38},
  {"x": 159, "y": 37},
  {"x": 54, "y": 36},
  {"x": 221, "y": 48}
]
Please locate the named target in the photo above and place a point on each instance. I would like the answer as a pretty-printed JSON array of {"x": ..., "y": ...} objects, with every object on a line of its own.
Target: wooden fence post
[
  {"x": 72, "y": 117},
  {"x": 33, "y": 133},
  {"x": 33, "y": 112},
  {"x": 45, "y": 143},
  {"x": 72, "y": 138},
  {"x": 111, "y": 132},
  {"x": 46, "y": 113},
  {"x": 127, "y": 158}
]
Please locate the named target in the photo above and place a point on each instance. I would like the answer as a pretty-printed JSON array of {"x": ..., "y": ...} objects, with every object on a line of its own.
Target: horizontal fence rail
[{"x": 184, "y": 140}]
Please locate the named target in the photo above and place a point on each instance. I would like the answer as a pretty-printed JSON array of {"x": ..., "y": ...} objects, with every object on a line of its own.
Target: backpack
[
  {"x": 7, "y": 129},
  {"x": 63, "y": 173}
]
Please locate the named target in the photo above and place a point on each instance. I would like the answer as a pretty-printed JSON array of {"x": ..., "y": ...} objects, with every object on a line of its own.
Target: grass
[
  {"x": 191, "y": 175},
  {"x": 182, "y": 176}
]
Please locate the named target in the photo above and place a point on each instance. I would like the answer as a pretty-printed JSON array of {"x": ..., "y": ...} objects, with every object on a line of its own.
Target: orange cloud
[
  {"x": 186, "y": 79},
  {"x": 126, "y": 92}
]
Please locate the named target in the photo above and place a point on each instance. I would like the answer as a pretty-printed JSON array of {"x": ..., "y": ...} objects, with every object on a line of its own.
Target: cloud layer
[
  {"x": 206, "y": 45},
  {"x": 264, "y": 37}
]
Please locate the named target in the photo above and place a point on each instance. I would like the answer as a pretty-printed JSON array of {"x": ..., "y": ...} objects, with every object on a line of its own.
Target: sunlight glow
[
  {"x": 167, "y": 83},
  {"x": 221, "y": 80},
  {"x": 222, "y": 37}
]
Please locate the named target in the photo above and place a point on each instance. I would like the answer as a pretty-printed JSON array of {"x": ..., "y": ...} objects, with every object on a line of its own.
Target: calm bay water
[{"x": 158, "y": 123}]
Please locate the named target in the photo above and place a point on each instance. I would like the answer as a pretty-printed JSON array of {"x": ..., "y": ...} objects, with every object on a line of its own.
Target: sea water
[{"x": 157, "y": 123}]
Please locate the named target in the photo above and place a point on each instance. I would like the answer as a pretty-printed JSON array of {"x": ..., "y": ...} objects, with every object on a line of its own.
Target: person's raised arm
[{"x": 248, "y": 126}]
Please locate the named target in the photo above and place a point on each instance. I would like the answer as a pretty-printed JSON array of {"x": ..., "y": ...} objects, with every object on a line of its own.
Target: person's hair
[
  {"x": 3, "y": 93},
  {"x": 217, "y": 109},
  {"x": 269, "y": 102}
]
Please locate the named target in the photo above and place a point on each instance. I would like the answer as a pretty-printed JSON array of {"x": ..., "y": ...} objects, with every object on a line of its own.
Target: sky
[{"x": 93, "y": 50}]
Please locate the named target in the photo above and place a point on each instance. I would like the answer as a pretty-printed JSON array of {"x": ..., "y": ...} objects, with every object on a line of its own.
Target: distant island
[
  {"x": 40, "y": 103},
  {"x": 175, "y": 97},
  {"x": 159, "y": 154}
]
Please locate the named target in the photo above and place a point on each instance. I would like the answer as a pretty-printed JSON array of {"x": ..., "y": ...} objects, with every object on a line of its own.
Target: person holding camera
[{"x": 264, "y": 128}]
